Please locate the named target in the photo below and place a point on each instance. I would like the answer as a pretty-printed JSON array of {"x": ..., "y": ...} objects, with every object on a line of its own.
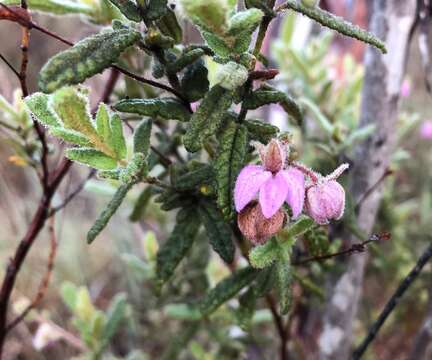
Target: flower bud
[
  {"x": 255, "y": 227},
  {"x": 208, "y": 14},
  {"x": 273, "y": 155},
  {"x": 231, "y": 75},
  {"x": 325, "y": 201}
]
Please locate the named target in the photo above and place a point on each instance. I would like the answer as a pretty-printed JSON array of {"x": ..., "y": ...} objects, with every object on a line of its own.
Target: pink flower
[
  {"x": 273, "y": 183},
  {"x": 426, "y": 130},
  {"x": 325, "y": 199}
]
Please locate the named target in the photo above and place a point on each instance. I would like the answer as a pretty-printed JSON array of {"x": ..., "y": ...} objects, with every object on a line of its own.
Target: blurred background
[{"x": 326, "y": 72}]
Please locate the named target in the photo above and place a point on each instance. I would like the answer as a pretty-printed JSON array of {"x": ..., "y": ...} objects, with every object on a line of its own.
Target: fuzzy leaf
[
  {"x": 87, "y": 58},
  {"x": 141, "y": 140},
  {"x": 244, "y": 313},
  {"x": 194, "y": 178},
  {"x": 264, "y": 255},
  {"x": 70, "y": 136},
  {"x": 117, "y": 141},
  {"x": 208, "y": 117},
  {"x": 228, "y": 163},
  {"x": 55, "y": 7},
  {"x": 301, "y": 226},
  {"x": 195, "y": 83},
  {"x": 141, "y": 204},
  {"x": 169, "y": 26},
  {"x": 154, "y": 9},
  {"x": 38, "y": 105},
  {"x": 128, "y": 8},
  {"x": 178, "y": 244},
  {"x": 261, "y": 131},
  {"x": 245, "y": 22},
  {"x": 115, "y": 315},
  {"x": 226, "y": 289},
  {"x": 185, "y": 59},
  {"x": 92, "y": 158},
  {"x": 103, "y": 122},
  {"x": 217, "y": 44},
  {"x": 336, "y": 23},
  {"x": 172, "y": 199},
  {"x": 164, "y": 108},
  {"x": 108, "y": 212},
  {"x": 267, "y": 95},
  {"x": 218, "y": 232},
  {"x": 284, "y": 279}
]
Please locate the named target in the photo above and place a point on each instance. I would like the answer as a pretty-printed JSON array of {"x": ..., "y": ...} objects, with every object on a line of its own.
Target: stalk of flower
[{"x": 277, "y": 181}]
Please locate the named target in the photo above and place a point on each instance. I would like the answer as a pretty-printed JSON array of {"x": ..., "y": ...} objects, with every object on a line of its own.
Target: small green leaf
[
  {"x": 178, "y": 244},
  {"x": 164, "y": 108},
  {"x": 71, "y": 136},
  {"x": 182, "y": 312},
  {"x": 231, "y": 75},
  {"x": 208, "y": 117},
  {"x": 38, "y": 105},
  {"x": 301, "y": 226},
  {"x": 262, "y": 256},
  {"x": 194, "y": 178},
  {"x": 226, "y": 289},
  {"x": 218, "y": 232},
  {"x": 115, "y": 315},
  {"x": 195, "y": 83},
  {"x": 227, "y": 165},
  {"x": 154, "y": 9},
  {"x": 117, "y": 141},
  {"x": 284, "y": 279},
  {"x": 55, "y": 7},
  {"x": 103, "y": 122},
  {"x": 245, "y": 22},
  {"x": 169, "y": 26},
  {"x": 141, "y": 139},
  {"x": 109, "y": 211},
  {"x": 87, "y": 58},
  {"x": 261, "y": 131},
  {"x": 128, "y": 9},
  {"x": 141, "y": 204},
  {"x": 267, "y": 95},
  {"x": 69, "y": 295},
  {"x": 92, "y": 158},
  {"x": 217, "y": 44},
  {"x": 246, "y": 309},
  {"x": 210, "y": 15},
  {"x": 185, "y": 59}
]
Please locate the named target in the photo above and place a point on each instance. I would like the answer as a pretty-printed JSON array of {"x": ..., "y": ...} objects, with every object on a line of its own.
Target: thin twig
[
  {"x": 45, "y": 280},
  {"x": 10, "y": 66},
  {"x": 370, "y": 191},
  {"x": 354, "y": 248},
  {"x": 391, "y": 304}
]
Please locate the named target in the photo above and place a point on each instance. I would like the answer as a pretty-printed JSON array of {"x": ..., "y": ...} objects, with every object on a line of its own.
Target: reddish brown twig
[
  {"x": 387, "y": 173},
  {"x": 15, "y": 14},
  {"x": 43, "y": 287},
  {"x": 263, "y": 74},
  {"x": 355, "y": 248}
]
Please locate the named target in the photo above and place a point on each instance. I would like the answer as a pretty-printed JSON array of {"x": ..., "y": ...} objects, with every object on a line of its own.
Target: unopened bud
[
  {"x": 255, "y": 227},
  {"x": 231, "y": 75}
]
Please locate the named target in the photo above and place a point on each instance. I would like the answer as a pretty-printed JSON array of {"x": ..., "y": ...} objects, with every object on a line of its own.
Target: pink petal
[
  {"x": 248, "y": 183},
  {"x": 273, "y": 194},
  {"x": 296, "y": 190}
]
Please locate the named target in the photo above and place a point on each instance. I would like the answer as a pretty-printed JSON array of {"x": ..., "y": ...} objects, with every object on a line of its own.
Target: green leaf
[
  {"x": 71, "y": 136},
  {"x": 87, "y": 58},
  {"x": 164, "y": 108},
  {"x": 208, "y": 117},
  {"x": 267, "y": 95},
  {"x": 103, "y": 127},
  {"x": 284, "y": 284},
  {"x": 217, "y": 44},
  {"x": 218, "y": 232},
  {"x": 154, "y": 9},
  {"x": 169, "y": 26},
  {"x": 302, "y": 225},
  {"x": 227, "y": 165},
  {"x": 195, "y": 83},
  {"x": 245, "y": 22},
  {"x": 336, "y": 23},
  {"x": 194, "y": 178},
  {"x": 92, "y": 158},
  {"x": 325, "y": 124},
  {"x": 141, "y": 204},
  {"x": 108, "y": 212},
  {"x": 260, "y": 4},
  {"x": 210, "y": 15},
  {"x": 261, "y": 131},
  {"x": 117, "y": 141},
  {"x": 115, "y": 315},
  {"x": 184, "y": 60},
  {"x": 246, "y": 309},
  {"x": 182, "y": 312},
  {"x": 38, "y": 105},
  {"x": 128, "y": 9},
  {"x": 141, "y": 139},
  {"x": 178, "y": 244},
  {"x": 262, "y": 256},
  {"x": 55, "y": 7},
  {"x": 226, "y": 289},
  {"x": 69, "y": 294}
]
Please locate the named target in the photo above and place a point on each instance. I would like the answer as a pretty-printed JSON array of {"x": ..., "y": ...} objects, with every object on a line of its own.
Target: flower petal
[
  {"x": 296, "y": 190},
  {"x": 248, "y": 183},
  {"x": 273, "y": 194}
]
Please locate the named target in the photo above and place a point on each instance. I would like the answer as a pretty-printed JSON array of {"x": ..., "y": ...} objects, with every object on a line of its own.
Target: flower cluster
[{"x": 277, "y": 181}]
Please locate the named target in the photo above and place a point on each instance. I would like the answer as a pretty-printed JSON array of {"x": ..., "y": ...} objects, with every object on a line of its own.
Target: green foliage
[
  {"x": 262, "y": 256},
  {"x": 163, "y": 108},
  {"x": 128, "y": 8},
  {"x": 186, "y": 59},
  {"x": 210, "y": 15},
  {"x": 208, "y": 118},
  {"x": 218, "y": 232},
  {"x": 141, "y": 140},
  {"x": 227, "y": 165},
  {"x": 55, "y": 7},
  {"x": 92, "y": 158},
  {"x": 226, "y": 289},
  {"x": 195, "y": 82},
  {"x": 38, "y": 105},
  {"x": 178, "y": 244},
  {"x": 153, "y": 9},
  {"x": 261, "y": 131},
  {"x": 86, "y": 58},
  {"x": 284, "y": 279},
  {"x": 169, "y": 26},
  {"x": 231, "y": 75}
]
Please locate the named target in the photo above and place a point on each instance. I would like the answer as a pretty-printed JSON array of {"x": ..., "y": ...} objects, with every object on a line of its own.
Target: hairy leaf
[
  {"x": 87, "y": 58},
  {"x": 117, "y": 141},
  {"x": 195, "y": 83},
  {"x": 228, "y": 163},
  {"x": 264, "y": 255},
  {"x": 208, "y": 117},
  {"x": 38, "y": 105},
  {"x": 115, "y": 315},
  {"x": 164, "y": 108},
  {"x": 226, "y": 289},
  {"x": 217, "y": 44},
  {"x": 185, "y": 59},
  {"x": 128, "y": 8},
  {"x": 178, "y": 244},
  {"x": 169, "y": 26},
  {"x": 194, "y": 178},
  {"x": 71, "y": 136},
  {"x": 55, "y": 7},
  {"x": 141, "y": 204},
  {"x": 141, "y": 140},
  {"x": 155, "y": 9},
  {"x": 92, "y": 158},
  {"x": 261, "y": 131},
  {"x": 284, "y": 284},
  {"x": 218, "y": 232}
]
